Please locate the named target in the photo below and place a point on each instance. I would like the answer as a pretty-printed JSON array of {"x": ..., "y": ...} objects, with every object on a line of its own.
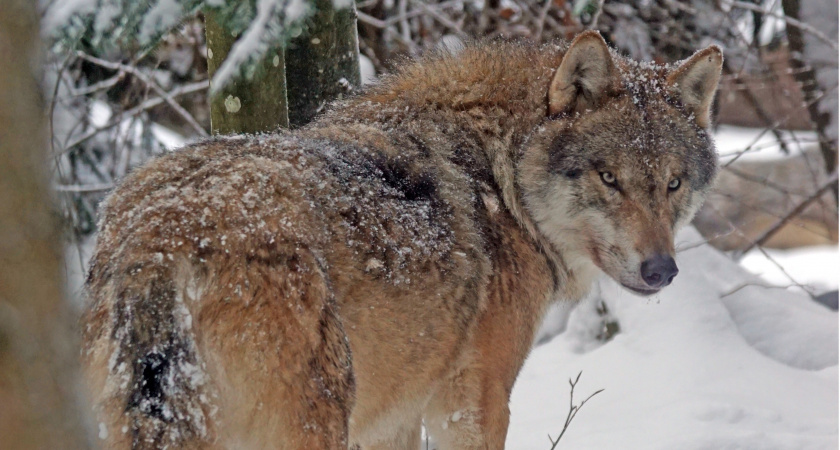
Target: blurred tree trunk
[
  {"x": 815, "y": 65},
  {"x": 322, "y": 64},
  {"x": 245, "y": 106},
  {"x": 38, "y": 346}
]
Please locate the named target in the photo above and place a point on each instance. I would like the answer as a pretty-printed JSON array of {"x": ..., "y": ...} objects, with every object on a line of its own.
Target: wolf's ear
[
  {"x": 586, "y": 76},
  {"x": 696, "y": 80}
]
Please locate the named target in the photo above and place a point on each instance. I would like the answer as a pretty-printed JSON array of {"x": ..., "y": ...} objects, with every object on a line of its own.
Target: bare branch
[
  {"x": 573, "y": 409},
  {"x": 775, "y": 125},
  {"x": 761, "y": 285},
  {"x": 788, "y": 20},
  {"x": 148, "y": 104},
  {"x": 152, "y": 84},
  {"x": 828, "y": 184},
  {"x": 100, "y": 86},
  {"x": 437, "y": 15},
  {"x": 84, "y": 188}
]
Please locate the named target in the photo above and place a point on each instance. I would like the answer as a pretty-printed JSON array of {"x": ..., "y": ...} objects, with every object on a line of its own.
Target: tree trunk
[
  {"x": 39, "y": 382},
  {"x": 245, "y": 106},
  {"x": 323, "y": 63},
  {"x": 815, "y": 65}
]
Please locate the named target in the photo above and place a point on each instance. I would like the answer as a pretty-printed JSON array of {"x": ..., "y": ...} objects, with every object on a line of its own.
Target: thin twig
[
  {"x": 759, "y": 207},
  {"x": 573, "y": 409},
  {"x": 832, "y": 179},
  {"x": 150, "y": 83},
  {"x": 84, "y": 188},
  {"x": 541, "y": 19},
  {"x": 762, "y": 181},
  {"x": 761, "y": 285},
  {"x": 54, "y": 101},
  {"x": 788, "y": 20},
  {"x": 198, "y": 86},
  {"x": 776, "y": 124},
  {"x": 373, "y": 21},
  {"x": 100, "y": 86},
  {"x": 440, "y": 17},
  {"x": 405, "y": 29},
  {"x": 749, "y": 95}
]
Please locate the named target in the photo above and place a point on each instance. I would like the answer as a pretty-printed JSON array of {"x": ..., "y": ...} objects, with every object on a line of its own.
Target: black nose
[{"x": 659, "y": 271}]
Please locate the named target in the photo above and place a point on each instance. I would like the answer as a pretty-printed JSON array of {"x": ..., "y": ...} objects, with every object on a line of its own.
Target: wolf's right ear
[{"x": 586, "y": 76}]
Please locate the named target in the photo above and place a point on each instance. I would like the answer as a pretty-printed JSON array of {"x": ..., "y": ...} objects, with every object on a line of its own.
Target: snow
[
  {"x": 101, "y": 114},
  {"x": 164, "y": 15},
  {"x": 731, "y": 141},
  {"x": 366, "y": 69},
  {"x": 813, "y": 266},
  {"x": 60, "y": 13},
  {"x": 690, "y": 368}
]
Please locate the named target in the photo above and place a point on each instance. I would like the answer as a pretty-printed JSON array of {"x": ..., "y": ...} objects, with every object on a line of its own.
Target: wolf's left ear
[
  {"x": 696, "y": 80},
  {"x": 586, "y": 76}
]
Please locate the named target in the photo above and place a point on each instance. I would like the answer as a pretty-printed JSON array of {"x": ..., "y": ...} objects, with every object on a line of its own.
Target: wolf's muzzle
[{"x": 659, "y": 271}]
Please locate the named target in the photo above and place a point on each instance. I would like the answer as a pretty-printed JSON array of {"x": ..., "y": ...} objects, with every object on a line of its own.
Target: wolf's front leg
[{"x": 469, "y": 411}]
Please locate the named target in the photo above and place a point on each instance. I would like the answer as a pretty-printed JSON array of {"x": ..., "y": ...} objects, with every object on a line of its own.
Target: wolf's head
[{"x": 622, "y": 160}]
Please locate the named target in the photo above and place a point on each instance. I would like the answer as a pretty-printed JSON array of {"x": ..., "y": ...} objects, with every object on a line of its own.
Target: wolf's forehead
[
  {"x": 644, "y": 76},
  {"x": 648, "y": 154}
]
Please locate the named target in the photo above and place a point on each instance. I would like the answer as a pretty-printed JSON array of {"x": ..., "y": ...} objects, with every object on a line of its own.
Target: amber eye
[
  {"x": 608, "y": 178},
  {"x": 674, "y": 184}
]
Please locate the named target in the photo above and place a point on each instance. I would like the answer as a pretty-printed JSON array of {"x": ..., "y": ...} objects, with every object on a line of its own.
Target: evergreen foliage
[{"x": 135, "y": 27}]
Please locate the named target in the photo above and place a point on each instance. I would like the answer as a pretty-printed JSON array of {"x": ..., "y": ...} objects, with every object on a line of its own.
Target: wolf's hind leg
[
  {"x": 272, "y": 331},
  {"x": 256, "y": 357}
]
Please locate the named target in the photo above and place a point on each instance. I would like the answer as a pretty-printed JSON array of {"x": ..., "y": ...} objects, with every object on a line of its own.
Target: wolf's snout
[{"x": 659, "y": 271}]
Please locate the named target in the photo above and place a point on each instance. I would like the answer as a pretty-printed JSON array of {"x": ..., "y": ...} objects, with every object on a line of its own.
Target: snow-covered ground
[
  {"x": 815, "y": 267},
  {"x": 690, "y": 368}
]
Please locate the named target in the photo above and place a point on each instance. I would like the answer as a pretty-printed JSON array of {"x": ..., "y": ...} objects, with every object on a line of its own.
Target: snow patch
[{"x": 690, "y": 368}]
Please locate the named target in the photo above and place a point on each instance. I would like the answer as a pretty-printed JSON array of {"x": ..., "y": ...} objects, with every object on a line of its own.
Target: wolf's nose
[{"x": 659, "y": 271}]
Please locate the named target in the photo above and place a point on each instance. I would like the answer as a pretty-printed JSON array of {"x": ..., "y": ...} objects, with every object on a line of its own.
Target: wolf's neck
[
  {"x": 492, "y": 95},
  {"x": 498, "y": 88},
  {"x": 489, "y": 97}
]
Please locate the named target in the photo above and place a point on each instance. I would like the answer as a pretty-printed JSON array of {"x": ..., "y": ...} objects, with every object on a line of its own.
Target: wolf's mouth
[{"x": 641, "y": 291}]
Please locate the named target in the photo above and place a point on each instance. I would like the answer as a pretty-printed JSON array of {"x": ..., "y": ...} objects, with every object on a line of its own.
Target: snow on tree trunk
[
  {"x": 245, "y": 104},
  {"x": 816, "y": 64},
  {"x": 322, "y": 64},
  {"x": 38, "y": 345}
]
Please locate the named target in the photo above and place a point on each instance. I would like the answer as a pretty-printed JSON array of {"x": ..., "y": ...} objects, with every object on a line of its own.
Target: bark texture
[
  {"x": 815, "y": 65},
  {"x": 245, "y": 106},
  {"x": 322, "y": 64}
]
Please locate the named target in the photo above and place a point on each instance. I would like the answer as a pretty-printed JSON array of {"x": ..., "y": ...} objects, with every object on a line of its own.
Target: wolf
[{"x": 339, "y": 285}]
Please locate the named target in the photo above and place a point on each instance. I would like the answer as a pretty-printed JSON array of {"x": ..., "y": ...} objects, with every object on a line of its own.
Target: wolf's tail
[{"x": 155, "y": 387}]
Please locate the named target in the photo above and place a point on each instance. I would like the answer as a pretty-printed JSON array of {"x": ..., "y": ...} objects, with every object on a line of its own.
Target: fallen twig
[{"x": 573, "y": 409}]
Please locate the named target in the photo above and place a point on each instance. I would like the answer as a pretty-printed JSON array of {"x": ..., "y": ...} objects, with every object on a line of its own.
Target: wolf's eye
[
  {"x": 674, "y": 184},
  {"x": 608, "y": 178}
]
